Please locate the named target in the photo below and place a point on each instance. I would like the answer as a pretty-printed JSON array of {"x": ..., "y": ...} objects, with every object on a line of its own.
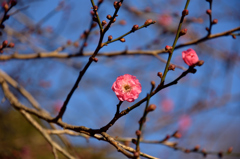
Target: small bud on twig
[
  {"x": 148, "y": 21},
  {"x": 209, "y": 11},
  {"x": 234, "y": 36},
  {"x": 153, "y": 84},
  {"x": 185, "y": 12},
  {"x": 122, "y": 40},
  {"x": 177, "y": 135},
  {"x": 138, "y": 132},
  {"x": 171, "y": 67},
  {"x": 110, "y": 37},
  {"x": 151, "y": 108},
  {"x": 104, "y": 22},
  {"x": 160, "y": 74},
  {"x": 183, "y": 32},
  {"x": 215, "y": 21},
  {"x": 134, "y": 28},
  {"x": 109, "y": 17}
]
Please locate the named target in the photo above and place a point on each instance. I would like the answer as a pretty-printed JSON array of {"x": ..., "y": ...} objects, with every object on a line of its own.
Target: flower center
[{"x": 127, "y": 88}]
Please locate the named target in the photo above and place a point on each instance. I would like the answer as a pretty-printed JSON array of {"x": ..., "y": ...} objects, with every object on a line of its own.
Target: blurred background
[{"x": 204, "y": 107}]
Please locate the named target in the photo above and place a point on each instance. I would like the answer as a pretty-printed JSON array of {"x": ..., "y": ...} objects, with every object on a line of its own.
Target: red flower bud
[
  {"x": 209, "y": 11},
  {"x": 185, "y": 12},
  {"x": 104, "y": 22},
  {"x": 110, "y": 37},
  {"x": 135, "y": 27},
  {"x": 148, "y": 21},
  {"x": 122, "y": 40},
  {"x": 215, "y": 21}
]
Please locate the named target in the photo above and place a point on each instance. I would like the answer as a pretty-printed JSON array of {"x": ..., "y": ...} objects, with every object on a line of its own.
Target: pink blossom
[
  {"x": 167, "y": 105},
  {"x": 190, "y": 57},
  {"x": 184, "y": 122},
  {"x": 165, "y": 20},
  {"x": 127, "y": 87}
]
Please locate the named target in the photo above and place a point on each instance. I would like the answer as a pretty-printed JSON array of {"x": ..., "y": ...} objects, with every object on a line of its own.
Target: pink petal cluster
[
  {"x": 127, "y": 88},
  {"x": 167, "y": 105},
  {"x": 165, "y": 20},
  {"x": 190, "y": 57}
]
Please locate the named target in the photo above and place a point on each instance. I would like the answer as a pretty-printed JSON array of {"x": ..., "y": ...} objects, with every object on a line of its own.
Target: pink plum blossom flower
[
  {"x": 165, "y": 20},
  {"x": 127, "y": 88},
  {"x": 167, "y": 105},
  {"x": 190, "y": 57},
  {"x": 185, "y": 122}
]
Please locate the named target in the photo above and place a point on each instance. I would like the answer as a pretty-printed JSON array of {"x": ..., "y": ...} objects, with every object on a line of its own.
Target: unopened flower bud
[
  {"x": 183, "y": 32},
  {"x": 230, "y": 149},
  {"x": 171, "y": 67},
  {"x": 168, "y": 48},
  {"x": 109, "y": 17},
  {"x": 196, "y": 148},
  {"x": 153, "y": 84},
  {"x": 110, "y": 37},
  {"x": 104, "y": 22},
  {"x": 151, "y": 108},
  {"x": 185, "y": 12},
  {"x": 115, "y": 4},
  {"x": 138, "y": 132},
  {"x": 209, "y": 11},
  {"x": 215, "y": 21},
  {"x": 234, "y": 36},
  {"x": 4, "y": 43},
  {"x": 95, "y": 8},
  {"x": 148, "y": 21},
  {"x": 95, "y": 59},
  {"x": 160, "y": 74},
  {"x": 200, "y": 63},
  {"x": 11, "y": 45},
  {"x": 122, "y": 40},
  {"x": 114, "y": 20},
  {"x": 135, "y": 27},
  {"x": 6, "y": 7},
  {"x": 177, "y": 135},
  {"x": 207, "y": 28}
]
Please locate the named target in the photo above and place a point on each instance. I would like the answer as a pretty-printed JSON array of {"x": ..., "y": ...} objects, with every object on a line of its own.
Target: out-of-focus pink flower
[
  {"x": 165, "y": 20},
  {"x": 184, "y": 122},
  {"x": 167, "y": 105},
  {"x": 127, "y": 88},
  {"x": 190, "y": 57},
  {"x": 57, "y": 106}
]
